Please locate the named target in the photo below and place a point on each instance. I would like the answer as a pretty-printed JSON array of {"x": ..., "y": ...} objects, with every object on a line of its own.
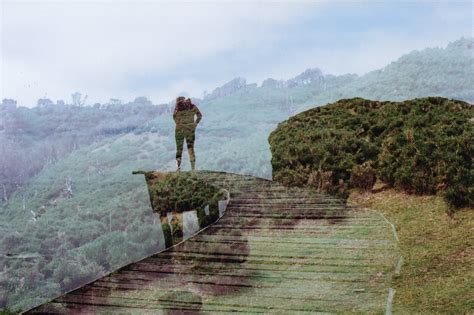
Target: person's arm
[
  {"x": 198, "y": 114},
  {"x": 174, "y": 113}
]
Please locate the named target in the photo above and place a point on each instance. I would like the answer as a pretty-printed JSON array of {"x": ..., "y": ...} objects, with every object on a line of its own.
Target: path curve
[{"x": 275, "y": 250}]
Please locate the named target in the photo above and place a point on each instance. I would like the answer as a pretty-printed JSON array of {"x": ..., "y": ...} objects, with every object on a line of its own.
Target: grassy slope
[{"x": 438, "y": 250}]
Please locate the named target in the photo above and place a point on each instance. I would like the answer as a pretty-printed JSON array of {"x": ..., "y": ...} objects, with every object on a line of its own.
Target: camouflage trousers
[{"x": 189, "y": 135}]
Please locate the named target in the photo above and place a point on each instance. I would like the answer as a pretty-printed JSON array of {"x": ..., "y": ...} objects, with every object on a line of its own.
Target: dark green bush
[
  {"x": 422, "y": 146},
  {"x": 180, "y": 192},
  {"x": 363, "y": 176},
  {"x": 167, "y": 234},
  {"x": 205, "y": 220},
  {"x": 177, "y": 228}
]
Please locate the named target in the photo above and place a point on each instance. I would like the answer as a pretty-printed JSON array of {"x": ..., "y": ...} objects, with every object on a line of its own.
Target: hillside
[
  {"x": 33, "y": 138},
  {"x": 415, "y": 152},
  {"x": 73, "y": 206},
  {"x": 445, "y": 72}
]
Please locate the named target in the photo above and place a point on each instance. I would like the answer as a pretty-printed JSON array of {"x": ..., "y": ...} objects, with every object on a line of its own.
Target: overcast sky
[{"x": 124, "y": 49}]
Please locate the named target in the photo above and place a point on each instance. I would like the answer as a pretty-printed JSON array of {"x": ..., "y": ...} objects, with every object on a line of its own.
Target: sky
[{"x": 125, "y": 49}]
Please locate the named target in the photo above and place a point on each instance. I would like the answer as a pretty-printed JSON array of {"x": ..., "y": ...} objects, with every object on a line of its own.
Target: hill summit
[{"x": 422, "y": 146}]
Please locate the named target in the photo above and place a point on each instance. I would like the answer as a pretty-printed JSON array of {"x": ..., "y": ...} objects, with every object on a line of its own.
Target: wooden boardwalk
[{"x": 275, "y": 250}]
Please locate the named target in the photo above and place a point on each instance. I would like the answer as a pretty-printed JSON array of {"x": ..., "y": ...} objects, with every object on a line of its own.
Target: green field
[{"x": 436, "y": 277}]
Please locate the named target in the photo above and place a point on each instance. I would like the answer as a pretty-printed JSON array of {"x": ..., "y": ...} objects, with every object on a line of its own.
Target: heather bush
[
  {"x": 180, "y": 192},
  {"x": 422, "y": 146},
  {"x": 363, "y": 176}
]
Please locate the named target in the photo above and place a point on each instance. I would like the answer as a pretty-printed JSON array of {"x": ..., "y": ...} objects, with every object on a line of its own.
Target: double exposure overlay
[{"x": 214, "y": 157}]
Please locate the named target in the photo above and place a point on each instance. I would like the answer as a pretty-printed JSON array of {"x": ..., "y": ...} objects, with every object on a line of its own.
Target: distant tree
[
  {"x": 115, "y": 101},
  {"x": 8, "y": 104},
  {"x": 68, "y": 188},
  {"x": 142, "y": 100},
  {"x": 4, "y": 190},
  {"x": 44, "y": 102},
  {"x": 77, "y": 99}
]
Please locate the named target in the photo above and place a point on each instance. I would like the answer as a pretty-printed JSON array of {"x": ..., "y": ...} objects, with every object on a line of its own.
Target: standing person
[{"x": 186, "y": 116}]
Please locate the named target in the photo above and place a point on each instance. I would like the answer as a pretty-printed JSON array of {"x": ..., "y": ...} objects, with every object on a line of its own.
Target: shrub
[
  {"x": 180, "y": 192},
  {"x": 320, "y": 180},
  {"x": 422, "y": 146},
  {"x": 363, "y": 176}
]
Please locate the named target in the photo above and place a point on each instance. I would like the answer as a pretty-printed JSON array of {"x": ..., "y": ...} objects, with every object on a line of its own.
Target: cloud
[
  {"x": 97, "y": 47},
  {"x": 115, "y": 49}
]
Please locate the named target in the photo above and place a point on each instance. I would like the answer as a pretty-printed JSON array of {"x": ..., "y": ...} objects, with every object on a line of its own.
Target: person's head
[
  {"x": 180, "y": 99},
  {"x": 188, "y": 101}
]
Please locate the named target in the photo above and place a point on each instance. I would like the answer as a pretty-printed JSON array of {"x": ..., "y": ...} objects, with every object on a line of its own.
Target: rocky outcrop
[
  {"x": 308, "y": 76},
  {"x": 462, "y": 44},
  {"x": 272, "y": 83},
  {"x": 227, "y": 89}
]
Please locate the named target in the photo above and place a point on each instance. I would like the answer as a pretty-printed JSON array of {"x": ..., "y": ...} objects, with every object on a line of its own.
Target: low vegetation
[
  {"x": 436, "y": 276},
  {"x": 7, "y": 311},
  {"x": 180, "y": 191},
  {"x": 422, "y": 146}
]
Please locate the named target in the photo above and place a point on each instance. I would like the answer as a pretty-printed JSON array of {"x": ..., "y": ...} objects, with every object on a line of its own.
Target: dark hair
[{"x": 183, "y": 104}]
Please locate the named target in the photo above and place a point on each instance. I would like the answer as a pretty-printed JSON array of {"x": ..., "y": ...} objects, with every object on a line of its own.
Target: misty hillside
[
  {"x": 69, "y": 201},
  {"x": 443, "y": 72}
]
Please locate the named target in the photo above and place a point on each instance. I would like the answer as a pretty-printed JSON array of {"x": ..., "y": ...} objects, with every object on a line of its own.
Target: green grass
[
  {"x": 7, "y": 311},
  {"x": 437, "y": 273}
]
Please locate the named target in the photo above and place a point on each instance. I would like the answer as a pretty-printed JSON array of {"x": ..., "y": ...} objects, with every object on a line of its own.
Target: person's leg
[
  {"x": 179, "y": 137},
  {"x": 190, "y": 144}
]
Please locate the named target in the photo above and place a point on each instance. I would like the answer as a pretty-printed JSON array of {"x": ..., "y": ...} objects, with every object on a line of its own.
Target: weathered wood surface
[{"x": 275, "y": 250}]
